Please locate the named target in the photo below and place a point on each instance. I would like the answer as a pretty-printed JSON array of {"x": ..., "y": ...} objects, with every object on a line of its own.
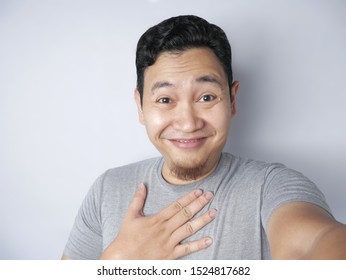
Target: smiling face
[{"x": 187, "y": 110}]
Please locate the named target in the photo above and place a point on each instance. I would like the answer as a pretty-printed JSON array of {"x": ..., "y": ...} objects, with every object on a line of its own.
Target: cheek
[
  {"x": 220, "y": 120},
  {"x": 155, "y": 123}
]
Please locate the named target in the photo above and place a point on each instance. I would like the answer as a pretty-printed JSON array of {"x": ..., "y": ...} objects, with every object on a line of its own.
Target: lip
[{"x": 188, "y": 143}]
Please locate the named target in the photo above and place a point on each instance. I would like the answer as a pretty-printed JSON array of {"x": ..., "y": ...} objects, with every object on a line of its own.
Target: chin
[
  {"x": 189, "y": 160},
  {"x": 188, "y": 169}
]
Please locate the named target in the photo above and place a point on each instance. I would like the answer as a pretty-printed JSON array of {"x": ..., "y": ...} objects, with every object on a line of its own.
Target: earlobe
[{"x": 137, "y": 98}]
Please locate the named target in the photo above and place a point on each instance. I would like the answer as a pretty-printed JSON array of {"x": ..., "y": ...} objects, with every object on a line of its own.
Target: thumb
[{"x": 137, "y": 203}]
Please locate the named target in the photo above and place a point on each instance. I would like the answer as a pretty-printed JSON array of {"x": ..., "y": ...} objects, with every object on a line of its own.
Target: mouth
[{"x": 188, "y": 143}]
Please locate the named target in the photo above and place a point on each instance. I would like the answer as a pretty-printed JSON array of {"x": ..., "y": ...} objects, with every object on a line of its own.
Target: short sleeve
[
  {"x": 85, "y": 240},
  {"x": 283, "y": 185}
]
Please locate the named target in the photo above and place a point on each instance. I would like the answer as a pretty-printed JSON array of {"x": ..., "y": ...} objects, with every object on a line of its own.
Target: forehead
[{"x": 184, "y": 65}]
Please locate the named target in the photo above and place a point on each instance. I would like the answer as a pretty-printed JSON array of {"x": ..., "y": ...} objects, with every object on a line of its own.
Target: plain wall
[{"x": 67, "y": 113}]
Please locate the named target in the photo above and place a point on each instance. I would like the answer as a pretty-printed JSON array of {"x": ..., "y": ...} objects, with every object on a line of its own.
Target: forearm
[{"x": 331, "y": 244}]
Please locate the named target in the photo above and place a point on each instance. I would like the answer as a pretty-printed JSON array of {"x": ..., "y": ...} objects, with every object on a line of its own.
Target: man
[{"x": 197, "y": 202}]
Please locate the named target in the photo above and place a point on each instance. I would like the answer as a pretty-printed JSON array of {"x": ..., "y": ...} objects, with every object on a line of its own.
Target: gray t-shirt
[{"x": 246, "y": 192}]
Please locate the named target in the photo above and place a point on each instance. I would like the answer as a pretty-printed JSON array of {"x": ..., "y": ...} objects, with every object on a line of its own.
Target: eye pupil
[
  {"x": 164, "y": 100},
  {"x": 207, "y": 98}
]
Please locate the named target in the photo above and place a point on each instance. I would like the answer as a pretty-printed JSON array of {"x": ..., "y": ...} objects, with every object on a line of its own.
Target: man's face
[{"x": 187, "y": 112}]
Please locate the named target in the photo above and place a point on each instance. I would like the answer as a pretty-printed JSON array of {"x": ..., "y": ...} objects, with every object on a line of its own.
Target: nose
[{"x": 187, "y": 118}]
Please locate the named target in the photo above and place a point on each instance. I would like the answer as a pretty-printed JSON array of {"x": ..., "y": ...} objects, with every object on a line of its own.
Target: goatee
[{"x": 188, "y": 173}]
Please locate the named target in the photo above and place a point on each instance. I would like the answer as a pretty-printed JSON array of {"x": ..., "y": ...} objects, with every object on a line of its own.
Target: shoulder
[
  {"x": 277, "y": 182},
  {"x": 125, "y": 177},
  {"x": 266, "y": 171},
  {"x": 250, "y": 168}
]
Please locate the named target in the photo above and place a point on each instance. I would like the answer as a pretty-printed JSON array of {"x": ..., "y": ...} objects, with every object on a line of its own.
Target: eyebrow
[
  {"x": 209, "y": 79},
  {"x": 202, "y": 79},
  {"x": 161, "y": 84}
]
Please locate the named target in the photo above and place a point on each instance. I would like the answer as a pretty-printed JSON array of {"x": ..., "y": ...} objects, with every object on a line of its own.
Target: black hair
[{"x": 178, "y": 34}]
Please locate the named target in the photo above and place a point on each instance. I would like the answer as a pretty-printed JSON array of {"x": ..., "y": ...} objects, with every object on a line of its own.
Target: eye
[
  {"x": 164, "y": 100},
  {"x": 207, "y": 98}
]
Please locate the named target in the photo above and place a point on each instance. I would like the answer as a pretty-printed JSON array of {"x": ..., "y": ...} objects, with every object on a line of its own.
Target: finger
[
  {"x": 191, "y": 227},
  {"x": 189, "y": 211},
  {"x": 179, "y": 204},
  {"x": 190, "y": 247},
  {"x": 136, "y": 207}
]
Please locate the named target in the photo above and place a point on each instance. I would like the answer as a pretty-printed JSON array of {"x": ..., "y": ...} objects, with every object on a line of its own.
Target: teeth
[{"x": 186, "y": 141}]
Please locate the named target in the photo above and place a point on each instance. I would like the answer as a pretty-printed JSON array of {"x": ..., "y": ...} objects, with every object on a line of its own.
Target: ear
[
  {"x": 139, "y": 106},
  {"x": 234, "y": 91}
]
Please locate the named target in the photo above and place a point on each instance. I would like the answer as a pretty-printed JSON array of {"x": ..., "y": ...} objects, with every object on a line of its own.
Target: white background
[{"x": 67, "y": 76}]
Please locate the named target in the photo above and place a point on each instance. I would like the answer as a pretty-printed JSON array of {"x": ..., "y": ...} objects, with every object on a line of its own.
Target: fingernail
[
  {"x": 208, "y": 241},
  {"x": 140, "y": 187},
  {"x": 198, "y": 193},
  {"x": 208, "y": 195},
  {"x": 212, "y": 213}
]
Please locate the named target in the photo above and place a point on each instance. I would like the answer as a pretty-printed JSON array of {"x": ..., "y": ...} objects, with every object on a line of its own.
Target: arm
[{"x": 301, "y": 230}]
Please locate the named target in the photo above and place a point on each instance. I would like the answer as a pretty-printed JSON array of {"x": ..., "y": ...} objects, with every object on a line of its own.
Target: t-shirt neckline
[{"x": 189, "y": 186}]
